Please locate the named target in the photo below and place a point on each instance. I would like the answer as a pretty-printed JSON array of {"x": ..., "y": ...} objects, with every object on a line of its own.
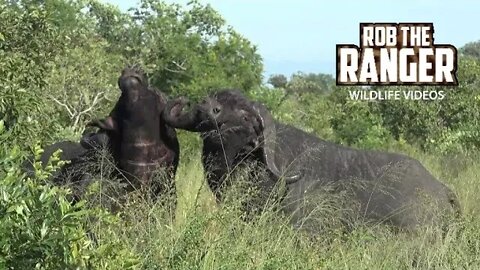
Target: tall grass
[{"x": 205, "y": 235}]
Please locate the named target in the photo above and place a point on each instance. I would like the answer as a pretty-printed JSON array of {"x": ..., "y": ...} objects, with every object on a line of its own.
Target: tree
[
  {"x": 29, "y": 41},
  {"x": 471, "y": 49},
  {"x": 191, "y": 51},
  {"x": 311, "y": 83},
  {"x": 448, "y": 125},
  {"x": 278, "y": 81}
]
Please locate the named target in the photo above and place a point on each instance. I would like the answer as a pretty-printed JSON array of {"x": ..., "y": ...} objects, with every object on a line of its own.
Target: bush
[
  {"x": 357, "y": 122},
  {"x": 40, "y": 229}
]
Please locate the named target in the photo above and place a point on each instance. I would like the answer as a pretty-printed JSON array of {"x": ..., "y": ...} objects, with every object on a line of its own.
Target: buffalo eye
[{"x": 216, "y": 110}]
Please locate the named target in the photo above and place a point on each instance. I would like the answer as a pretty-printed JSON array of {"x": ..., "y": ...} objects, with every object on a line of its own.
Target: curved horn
[
  {"x": 269, "y": 135},
  {"x": 174, "y": 117}
]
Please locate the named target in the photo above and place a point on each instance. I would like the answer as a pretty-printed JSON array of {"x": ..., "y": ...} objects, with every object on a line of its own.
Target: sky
[{"x": 302, "y": 35}]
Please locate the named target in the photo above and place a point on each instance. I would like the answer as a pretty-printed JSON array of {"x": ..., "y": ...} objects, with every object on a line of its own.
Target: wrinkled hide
[
  {"x": 386, "y": 187},
  {"x": 381, "y": 187},
  {"x": 141, "y": 143}
]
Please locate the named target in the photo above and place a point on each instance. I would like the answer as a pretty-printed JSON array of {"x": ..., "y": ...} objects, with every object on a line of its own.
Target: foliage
[
  {"x": 278, "y": 81},
  {"x": 27, "y": 42},
  {"x": 471, "y": 49},
  {"x": 356, "y": 123},
  {"x": 302, "y": 87},
  {"x": 448, "y": 125},
  {"x": 191, "y": 51},
  {"x": 39, "y": 229},
  {"x": 320, "y": 83},
  {"x": 61, "y": 61},
  {"x": 77, "y": 85}
]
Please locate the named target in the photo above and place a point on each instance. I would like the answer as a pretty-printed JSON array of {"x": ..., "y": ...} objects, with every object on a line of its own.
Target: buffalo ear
[
  {"x": 268, "y": 137},
  {"x": 108, "y": 124}
]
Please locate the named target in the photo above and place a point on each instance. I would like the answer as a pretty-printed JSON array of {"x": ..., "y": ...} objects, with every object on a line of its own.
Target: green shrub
[
  {"x": 357, "y": 122},
  {"x": 39, "y": 228}
]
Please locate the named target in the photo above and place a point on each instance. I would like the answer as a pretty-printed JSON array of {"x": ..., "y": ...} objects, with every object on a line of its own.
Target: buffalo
[
  {"x": 139, "y": 139},
  {"x": 386, "y": 187},
  {"x": 78, "y": 172}
]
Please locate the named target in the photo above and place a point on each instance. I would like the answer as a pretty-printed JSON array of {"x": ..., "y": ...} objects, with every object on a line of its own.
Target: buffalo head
[{"x": 231, "y": 126}]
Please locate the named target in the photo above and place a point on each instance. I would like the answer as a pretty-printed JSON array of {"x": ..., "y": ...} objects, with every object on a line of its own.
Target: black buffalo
[
  {"x": 387, "y": 188},
  {"x": 81, "y": 159},
  {"x": 139, "y": 138}
]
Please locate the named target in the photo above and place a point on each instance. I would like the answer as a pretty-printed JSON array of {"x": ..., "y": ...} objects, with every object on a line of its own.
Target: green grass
[{"x": 205, "y": 235}]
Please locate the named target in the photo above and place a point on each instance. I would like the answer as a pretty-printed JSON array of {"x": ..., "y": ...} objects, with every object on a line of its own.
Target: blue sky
[{"x": 301, "y": 35}]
